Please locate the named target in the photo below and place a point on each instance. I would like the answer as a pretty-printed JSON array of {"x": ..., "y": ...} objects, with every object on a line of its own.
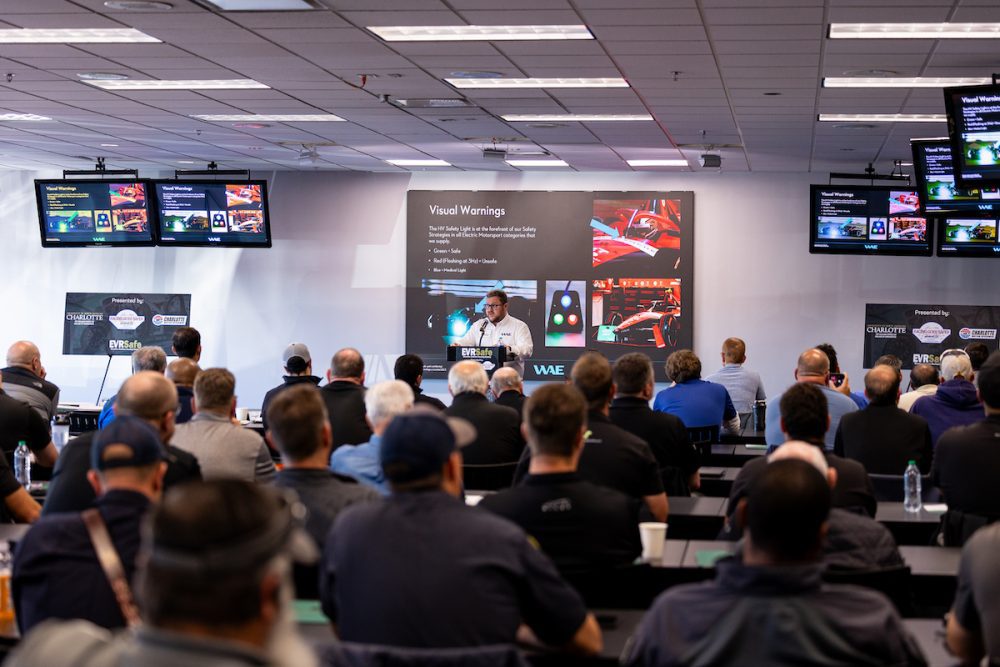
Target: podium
[{"x": 491, "y": 358}]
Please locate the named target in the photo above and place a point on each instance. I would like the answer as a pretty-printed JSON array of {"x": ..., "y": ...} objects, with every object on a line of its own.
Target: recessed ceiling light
[
  {"x": 487, "y": 33},
  {"x": 73, "y": 36},
  {"x": 905, "y": 164},
  {"x": 905, "y": 82},
  {"x": 537, "y": 163},
  {"x": 419, "y": 163},
  {"x": 178, "y": 84},
  {"x": 914, "y": 30},
  {"x": 430, "y": 103},
  {"x": 474, "y": 74},
  {"x": 576, "y": 117},
  {"x": 22, "y": 116},
  {"x": 568, "y": 82},
  {"x": 138, "y": 5},
  {"x": 185, "y": 162},
  {"x": 260, "y": 5},
  {"x": 101, "y": 76},
  {"x": 658, "y": 163},
  {"x": 883, "y": 117},
  {"x": 277, "y": 118},
  {"x": 109, "y": 145}
]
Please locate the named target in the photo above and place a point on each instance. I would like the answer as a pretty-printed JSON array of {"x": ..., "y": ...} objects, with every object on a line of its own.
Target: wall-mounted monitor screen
[
  {"x": 974, "y": 132},
  {"x": 867, "y": 220},
  {"x": 213, "y": 213},
  {"x": 93, "y": 213},
  {"x": 935, "y": 176},
  {"x": 968, "y": 237}
]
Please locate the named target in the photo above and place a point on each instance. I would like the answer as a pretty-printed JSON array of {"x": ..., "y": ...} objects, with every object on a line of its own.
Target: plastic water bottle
[
  {"x": 22, "y": 464},
  {"x": 911, "y": 488}
]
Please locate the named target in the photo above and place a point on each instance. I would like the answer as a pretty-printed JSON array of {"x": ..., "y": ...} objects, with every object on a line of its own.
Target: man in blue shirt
[
  {"x": 698, "y": 403},
  {"x": 744, "y": 386},
  {"x": 813, "y": 366}
]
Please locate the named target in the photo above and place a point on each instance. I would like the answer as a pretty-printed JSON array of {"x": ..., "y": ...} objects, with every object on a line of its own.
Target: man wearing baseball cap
[
  {"x": 421, "y": 569},
  {"x": 297, "y": 363},
  {"x": 57, "y": 573}
]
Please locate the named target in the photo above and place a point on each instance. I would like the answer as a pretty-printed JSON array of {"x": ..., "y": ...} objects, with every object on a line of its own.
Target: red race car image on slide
[
  {"x": 639, "y": 312},
  {"x": 629, "y": 228}
]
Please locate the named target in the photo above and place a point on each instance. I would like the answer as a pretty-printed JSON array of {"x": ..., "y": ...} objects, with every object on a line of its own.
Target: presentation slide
[
  {"x": 213, "y": 213},
  {"x": 875, "y": 220},
  {"x": 584, "y": 270},
  {"x": 974, "y": 130},
  {"x": 918, "y": 334},
  {"x": 85, "y": 213},
  {"x": 104, "y": 323}
]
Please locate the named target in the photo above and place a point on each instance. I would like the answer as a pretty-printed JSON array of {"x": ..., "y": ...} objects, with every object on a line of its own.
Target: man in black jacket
[
  {"x": 508, "y": 389},
  {"x": 664, "y": 433},
  {"x": 882, "y": 437},
  {"x": 297, "y": 362},
  {"x": 409, "y": 368},
  {"x": 344, "y": 396}
]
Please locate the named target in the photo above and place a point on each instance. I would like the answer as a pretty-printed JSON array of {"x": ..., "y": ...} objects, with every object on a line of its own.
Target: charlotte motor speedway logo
[
  {"x": 932, "y": 333},
  {"x": 968, "y": 333},
  {"x": 169, "y": 320}
]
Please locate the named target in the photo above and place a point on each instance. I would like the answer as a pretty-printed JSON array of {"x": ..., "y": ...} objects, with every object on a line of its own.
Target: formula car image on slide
[
  {"x": 625, "y": 229},
  {"x": 637, "y": 312}
]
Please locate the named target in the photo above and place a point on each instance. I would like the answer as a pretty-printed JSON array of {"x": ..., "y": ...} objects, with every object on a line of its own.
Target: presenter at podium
[{"x": 499, "y": 328}]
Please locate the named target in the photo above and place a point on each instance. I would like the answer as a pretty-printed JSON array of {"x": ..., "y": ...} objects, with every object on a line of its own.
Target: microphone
[{"x": 482, "y": 332}]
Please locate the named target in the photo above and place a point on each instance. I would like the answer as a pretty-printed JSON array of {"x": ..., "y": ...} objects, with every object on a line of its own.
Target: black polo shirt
[
  {"x": 18, "y": 421},
  {"x": 967, "y": 467},
  {"x": 665, "y": 433},
  {"x": 423, "y": 570},
  {"x": 345, "y": 404},
  {"x": 581, "y": 526},
  {"x": 612, "y": 457}
]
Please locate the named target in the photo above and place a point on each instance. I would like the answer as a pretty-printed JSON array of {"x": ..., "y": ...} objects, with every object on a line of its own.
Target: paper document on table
[{"x": 936, "y": 507}]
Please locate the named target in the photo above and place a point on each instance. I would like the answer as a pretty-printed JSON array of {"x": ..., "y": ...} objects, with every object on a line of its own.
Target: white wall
[{"x": 335, "y": 275}]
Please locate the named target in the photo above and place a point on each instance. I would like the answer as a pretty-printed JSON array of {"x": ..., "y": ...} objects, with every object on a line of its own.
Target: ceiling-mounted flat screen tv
[
  {"x": 213, "y": 213},
  {"x": 974, "y": 132},
  {"x": 79, "y": 213},
  {"x": 939, "y": 194},
  {"x": 968, "y": 237},
  {"x": 867, "y": 220}
]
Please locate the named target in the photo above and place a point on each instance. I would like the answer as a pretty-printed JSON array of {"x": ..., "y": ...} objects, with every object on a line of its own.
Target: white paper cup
[
  {"x": 242, "y": 414},
  {"x": 653, "y": 536}
]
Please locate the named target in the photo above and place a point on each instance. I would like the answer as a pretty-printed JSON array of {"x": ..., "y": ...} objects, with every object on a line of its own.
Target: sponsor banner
[
  {"x": 120, "y": 323},
  {"x": 918, "y": 334}
]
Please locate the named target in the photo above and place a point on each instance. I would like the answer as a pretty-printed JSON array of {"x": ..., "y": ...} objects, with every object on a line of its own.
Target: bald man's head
[
  {"x": 25, "y": 354},
  {"x": 924, "y": 374},
  {"x": 183, "y": 371},
  {"x": 147, "y": 395},
  {"x": 882, "y": 385},
  {"x": 813, "y": 366},
  {"x": 347, "y": 363}
]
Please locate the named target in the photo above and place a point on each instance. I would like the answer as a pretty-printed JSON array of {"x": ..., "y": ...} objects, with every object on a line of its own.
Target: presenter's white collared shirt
[{"x": 509, "y": 331}]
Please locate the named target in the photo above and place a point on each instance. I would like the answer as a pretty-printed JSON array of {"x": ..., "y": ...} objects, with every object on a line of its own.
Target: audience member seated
[
  {"x": 582, "y": 527},
  {"x": 223, "y": 448},
  {"x": 744, "y": 385},
  {"x": 300, "y": 430},
  {"x": 924, "y": 381},
  {"x": 967, "y": 459},
  {"x": 186, "y": 343},
  {"x": 57, "y": 573},
  {"x": 955, "y": 403},
  {"x": 422, "y": 569},
  {"x": 147, "y": 395},
  {"x": 361, "y": 462},
  {"x": 770, "y": 605},
  {"x": 813, "y": 367},
  {"x": 844, "y": 387},
  {"x": 498, "y": 427},
  {"x": 19, "y": 421},
  {"x": 297, "y": 363},
  {"x": 344, "y": 395},
  {"x": 611, "y": 456},
  {"x": 978, "y": 352},
  {"x": 409, "y": 368},
  {"x": 183, "y": 372},
  {"x": 805, "y": 418},
  {"x": 508, "y": 389},
  {"x": 24, "y": 379},
  {"x": 214, "y": 589},
  {"x": 853, "y": 541},
  {"x": 883, "y": 438},
  {"x": 973, "y": 624},
  {"x": 664, "y": 433},
  {"x": 150, "y": 358},
  {"x": 697, "y": 403}
]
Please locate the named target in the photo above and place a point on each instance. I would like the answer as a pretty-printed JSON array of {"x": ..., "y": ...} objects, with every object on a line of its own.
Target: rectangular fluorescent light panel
[
  {"x": 575, "y": 117},
  {"x": 261, "y": 5},
  {"x": 914, "y": 30},
  {"x": 904, "y": 82},
  {"x": 883, "y": 117},
  {"x": 604, "y": 82},
  {"x": 658, "y": 163},
  {"x": 73, "y": 36},
  {"x": 537, "y": 163},
  {"x": 277, "y": 118},
  {"x": 22, "y": 116},
  {"x": 177, "y": 84},
  {"x": 419, "y": 163},
  {"x": 486, "y": 33}
]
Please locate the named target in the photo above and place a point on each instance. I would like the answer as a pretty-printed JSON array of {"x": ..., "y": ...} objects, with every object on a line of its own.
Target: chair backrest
[
  {"x": 703, "y": 437},
  {"x": 889, "y": 488},
  {"x": 489, "y": 476},
  {"x": 895, "y": 583},
  {"x": 348, "y": 654},
  {"x": 957, "y": 526}
]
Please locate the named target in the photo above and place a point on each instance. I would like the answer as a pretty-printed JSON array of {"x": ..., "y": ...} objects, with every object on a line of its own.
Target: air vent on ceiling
[{"x": 432, "y": 103}]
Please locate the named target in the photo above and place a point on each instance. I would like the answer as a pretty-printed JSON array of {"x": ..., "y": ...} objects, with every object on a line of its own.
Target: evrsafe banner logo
[{"x": 932, "y": 333}]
